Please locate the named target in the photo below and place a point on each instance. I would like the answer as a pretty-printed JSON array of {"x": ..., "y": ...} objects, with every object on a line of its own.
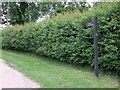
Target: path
[{"x": 10, "y": 78}]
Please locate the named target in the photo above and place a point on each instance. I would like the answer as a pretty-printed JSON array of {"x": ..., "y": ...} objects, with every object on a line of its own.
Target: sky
[
  {"x": 82, "y": 0},
  {"x": 86, "y": 0}
]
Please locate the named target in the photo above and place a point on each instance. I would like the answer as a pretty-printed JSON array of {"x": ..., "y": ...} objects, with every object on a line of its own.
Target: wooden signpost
[{"x": 95, "y": 24}]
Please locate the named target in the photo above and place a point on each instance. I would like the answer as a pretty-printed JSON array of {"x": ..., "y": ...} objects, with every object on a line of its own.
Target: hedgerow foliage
[{"x": 66, "y": 38}]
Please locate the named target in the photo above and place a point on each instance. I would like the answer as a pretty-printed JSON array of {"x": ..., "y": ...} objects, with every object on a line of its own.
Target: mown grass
[{"x": 54, "y": 74}]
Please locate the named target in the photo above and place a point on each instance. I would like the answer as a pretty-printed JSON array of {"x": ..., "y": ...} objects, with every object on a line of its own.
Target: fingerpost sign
[{"x": 95, "y": 24}]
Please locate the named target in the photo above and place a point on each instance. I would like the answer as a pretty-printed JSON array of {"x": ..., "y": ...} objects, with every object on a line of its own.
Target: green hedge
[{"x": 66, "y": 38}]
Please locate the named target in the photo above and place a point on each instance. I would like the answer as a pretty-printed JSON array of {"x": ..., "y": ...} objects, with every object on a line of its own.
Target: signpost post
[
  {"x": 95, "y": 24},
  {"x": 96, "y": 46}
]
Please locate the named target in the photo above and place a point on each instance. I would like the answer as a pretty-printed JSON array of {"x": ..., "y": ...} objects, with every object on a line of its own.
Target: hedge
[{"x": 66, "y": 38}]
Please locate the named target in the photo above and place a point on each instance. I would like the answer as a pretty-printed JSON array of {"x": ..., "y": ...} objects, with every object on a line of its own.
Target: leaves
[{"x": 65, "y": 39}]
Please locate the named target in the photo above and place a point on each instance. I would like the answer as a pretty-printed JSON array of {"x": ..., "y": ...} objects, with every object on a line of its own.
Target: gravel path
[{"x": 10, "y": 78}]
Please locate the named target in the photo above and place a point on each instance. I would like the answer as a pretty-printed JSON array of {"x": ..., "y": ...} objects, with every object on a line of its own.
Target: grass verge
[{"x": 54, "y": 74}]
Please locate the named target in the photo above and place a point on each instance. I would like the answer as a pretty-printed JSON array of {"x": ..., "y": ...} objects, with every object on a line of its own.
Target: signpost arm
[{"x": 96, "y": 46}]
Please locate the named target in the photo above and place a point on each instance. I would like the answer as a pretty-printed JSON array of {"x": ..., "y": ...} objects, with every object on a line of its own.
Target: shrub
[{"x": 66, "y": 38}]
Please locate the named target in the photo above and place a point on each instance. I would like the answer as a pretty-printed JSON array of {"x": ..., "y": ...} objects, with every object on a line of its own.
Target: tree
[
  {"x": 53, "y": 8},
  {"x": 21, "y": 12}
]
